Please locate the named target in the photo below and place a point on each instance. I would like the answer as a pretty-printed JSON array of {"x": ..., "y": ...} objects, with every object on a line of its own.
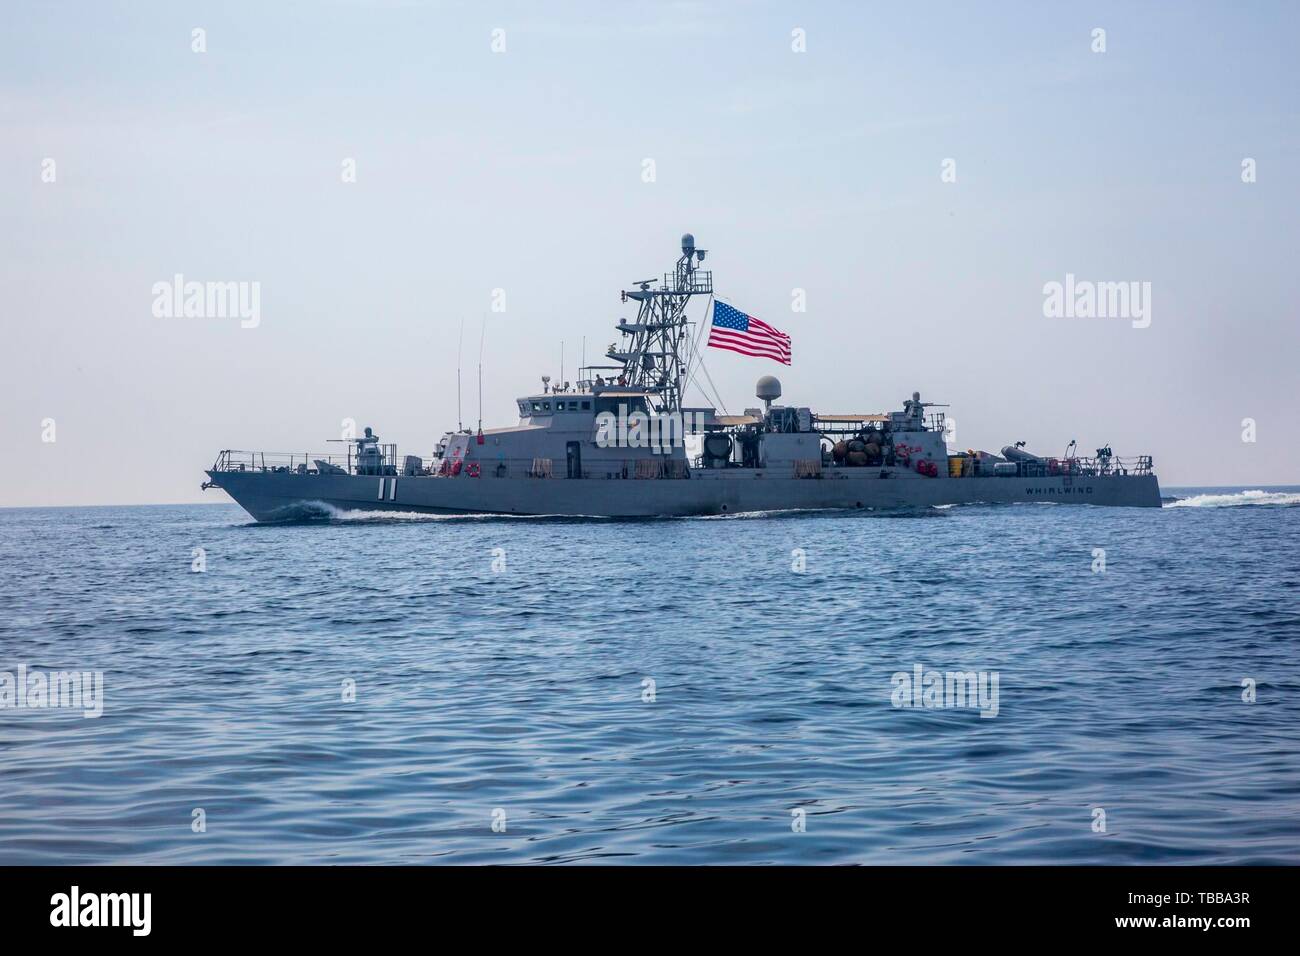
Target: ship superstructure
[{"x": 614, "y": 443}]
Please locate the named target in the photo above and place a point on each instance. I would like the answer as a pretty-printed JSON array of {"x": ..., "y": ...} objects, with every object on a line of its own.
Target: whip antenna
[
  {"x": 481, "y": 336},
  {"x": 460, "y": 348}
]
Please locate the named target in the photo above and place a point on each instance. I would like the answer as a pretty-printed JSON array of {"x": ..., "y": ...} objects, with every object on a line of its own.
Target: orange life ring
[{"x": 472, "y": 469}]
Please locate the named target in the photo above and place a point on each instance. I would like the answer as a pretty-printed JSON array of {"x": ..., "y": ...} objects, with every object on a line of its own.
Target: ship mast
[{"x": 655, "y": 348}]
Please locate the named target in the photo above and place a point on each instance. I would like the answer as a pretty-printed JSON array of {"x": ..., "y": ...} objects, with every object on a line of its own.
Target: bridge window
[{"x": 635, "y": 403}]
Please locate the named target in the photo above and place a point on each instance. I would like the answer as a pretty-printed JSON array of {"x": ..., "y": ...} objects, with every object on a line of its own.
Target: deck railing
[
  {"x": 1085, "y": 467},
  {"x": 232, "y": 459},
  {"x": 696, "y": 282},
  {"x": 305, "y": 463},
  {"x": 298, "y": 462}
]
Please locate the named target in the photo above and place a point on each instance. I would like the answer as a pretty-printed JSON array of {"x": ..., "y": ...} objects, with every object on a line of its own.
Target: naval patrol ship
[{"x": 615, "y": 443}]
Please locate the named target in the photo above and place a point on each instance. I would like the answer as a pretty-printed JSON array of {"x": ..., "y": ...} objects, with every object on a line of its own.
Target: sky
[{"x": 919, "y": 171}]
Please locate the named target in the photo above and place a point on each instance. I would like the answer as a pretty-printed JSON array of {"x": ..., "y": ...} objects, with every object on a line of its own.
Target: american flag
[{"x": 738, "y": 332}]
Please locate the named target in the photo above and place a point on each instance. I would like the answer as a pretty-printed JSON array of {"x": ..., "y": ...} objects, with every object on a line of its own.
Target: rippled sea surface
[{"x": 518, "y": 695}]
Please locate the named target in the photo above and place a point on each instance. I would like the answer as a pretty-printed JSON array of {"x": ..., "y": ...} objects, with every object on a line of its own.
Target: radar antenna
[{"x": 654, "y": 360}]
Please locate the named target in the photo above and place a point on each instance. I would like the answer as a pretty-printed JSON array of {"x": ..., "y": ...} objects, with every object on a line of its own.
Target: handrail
[
  {"x": 304, "y": 463},
  {"x": 233, "y": 459},
  {"x": 1085, "y": 467},
  {"x": 696, "y": 282}
]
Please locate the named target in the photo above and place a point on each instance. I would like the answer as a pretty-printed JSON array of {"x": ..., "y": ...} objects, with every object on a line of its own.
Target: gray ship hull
[
  {"x": 275, "y": 496},
  {"x": 616, "y": 447}
]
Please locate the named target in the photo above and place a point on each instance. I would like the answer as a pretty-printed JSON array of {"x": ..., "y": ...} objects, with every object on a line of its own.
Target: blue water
[{"x": 521, "y": 689}]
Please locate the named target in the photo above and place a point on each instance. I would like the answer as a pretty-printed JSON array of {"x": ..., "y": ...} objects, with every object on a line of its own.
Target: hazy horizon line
[{"x": 1250, "y": 486}]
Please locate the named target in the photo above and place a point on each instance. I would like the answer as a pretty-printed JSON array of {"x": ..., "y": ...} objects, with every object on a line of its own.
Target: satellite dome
[
  {"x": 688, "y": 244},
  {"x": 768, "y": 388}
]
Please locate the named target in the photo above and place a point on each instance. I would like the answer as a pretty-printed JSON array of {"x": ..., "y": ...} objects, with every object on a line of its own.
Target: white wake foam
[
  {"x": 308, "y": 510},
  {"x": 323, "y": 510},
  {"x": 771, "y": 513},
  {"x": 1256, "y": 497}
]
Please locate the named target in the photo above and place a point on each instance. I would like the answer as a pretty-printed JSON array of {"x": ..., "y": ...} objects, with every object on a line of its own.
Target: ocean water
[{"x": 503, "y": 709}]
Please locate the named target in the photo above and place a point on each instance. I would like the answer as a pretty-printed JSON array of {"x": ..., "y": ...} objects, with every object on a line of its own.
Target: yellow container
[{"x": 954, "y": 466}]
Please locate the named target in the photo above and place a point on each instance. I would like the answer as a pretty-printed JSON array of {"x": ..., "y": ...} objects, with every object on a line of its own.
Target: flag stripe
[
  {"x": 728, "y": 334},
  {"x": 718, "y": 341},
  {"x": 782, "y": 341},
  {"x": 753, "y": 340},
  {"x": 753, "y": 350},
  {"x": 750, "y": 349},
  {"x": 735, "y": 331},
  {"x": 737, "y": 348}
]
